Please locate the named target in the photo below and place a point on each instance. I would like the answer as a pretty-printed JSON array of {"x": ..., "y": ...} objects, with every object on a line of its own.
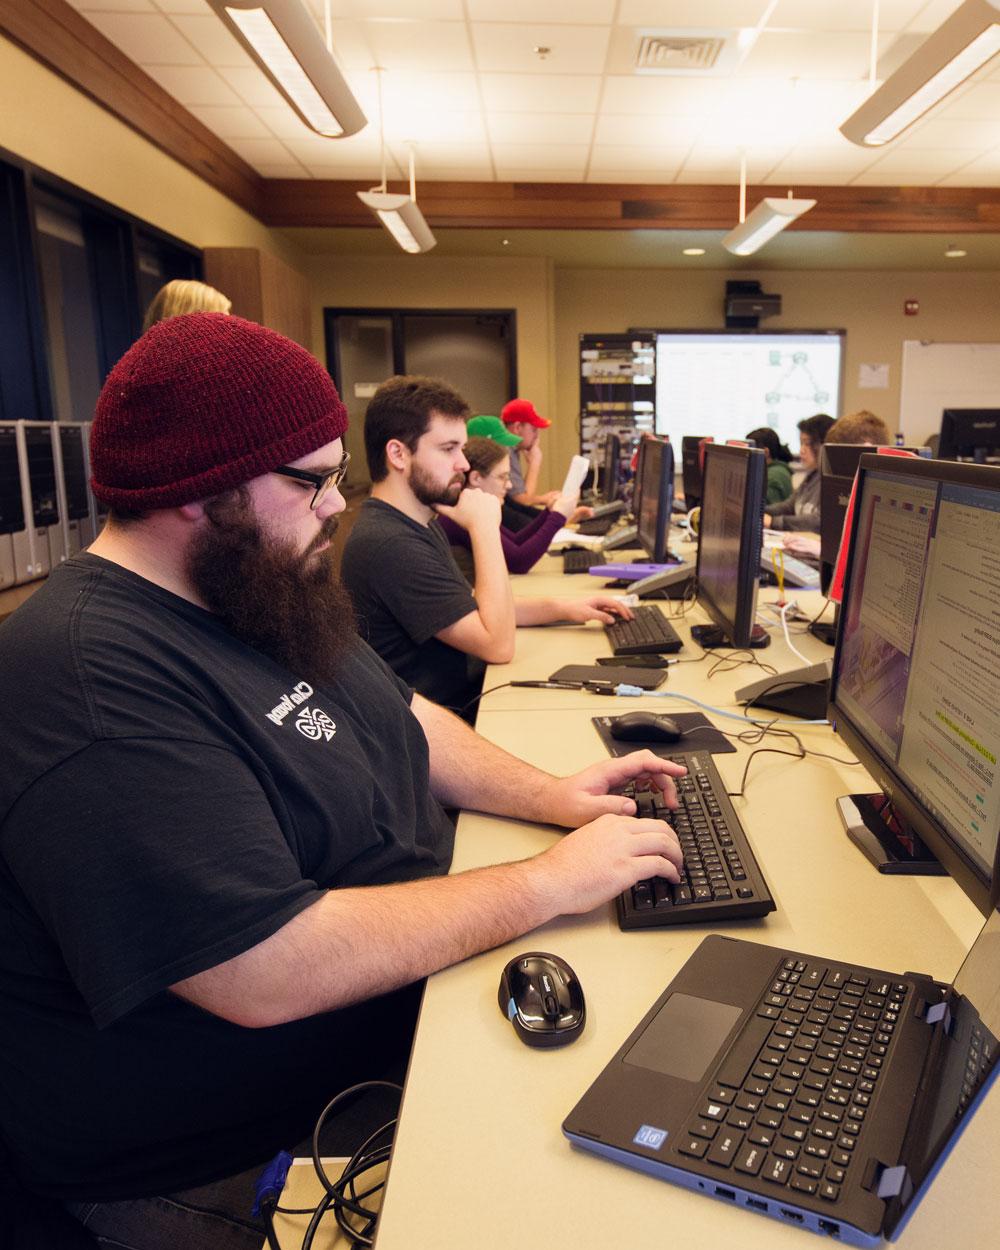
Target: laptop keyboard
[
  {"x": 720, "y": 879},
  {"x": 650, "y": 633},
  {"x": 790, "y": 1099}
]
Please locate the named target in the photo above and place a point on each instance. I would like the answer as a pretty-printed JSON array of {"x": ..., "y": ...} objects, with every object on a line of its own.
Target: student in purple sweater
[{"x": 489, "y": 470}]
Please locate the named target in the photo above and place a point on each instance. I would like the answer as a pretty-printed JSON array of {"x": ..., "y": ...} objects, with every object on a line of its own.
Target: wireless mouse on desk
[
  {"x": 645, "y": 727},
  {"x": 543, "y": 999}
]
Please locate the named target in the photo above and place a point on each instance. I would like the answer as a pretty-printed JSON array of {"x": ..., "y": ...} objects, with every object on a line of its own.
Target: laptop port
[
  {"x": 791, "y": 1215},
  {"x": 758, "y": 1204},
  {"x": 830, "y": 1228},
  {"x": 725, "y": 1193}
]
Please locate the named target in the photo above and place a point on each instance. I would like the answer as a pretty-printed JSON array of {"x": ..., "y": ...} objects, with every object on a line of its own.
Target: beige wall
[
  {"x": 51, "y": 124},
  {"x": 868, "y": 305}
]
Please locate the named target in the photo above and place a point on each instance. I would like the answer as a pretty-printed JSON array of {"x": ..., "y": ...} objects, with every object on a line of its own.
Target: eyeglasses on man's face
[{"x": 321, "y": 482}]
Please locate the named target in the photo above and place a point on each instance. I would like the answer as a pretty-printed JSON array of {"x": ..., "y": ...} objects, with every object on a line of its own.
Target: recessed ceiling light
[
  {"x": 953, "y": 252},
  {"x": 505, "y": 242},
  {"x": 694, "y": 251}
]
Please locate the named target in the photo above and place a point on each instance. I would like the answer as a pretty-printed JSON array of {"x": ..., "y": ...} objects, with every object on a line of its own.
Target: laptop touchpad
[{"x": 684, "y": 1036}]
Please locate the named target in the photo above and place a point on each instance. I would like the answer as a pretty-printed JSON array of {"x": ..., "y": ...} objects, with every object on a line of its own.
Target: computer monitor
[
  {"x": 729, "y": 542},
  {"x": 654, "y": 497},
  {"x": 692, "y": 456},
  {"x": 969, "y": 432},
  {"x": 838, "y": 463},
  {"x": 609, "y": 481},
  {"x": 915, "y": 687}
]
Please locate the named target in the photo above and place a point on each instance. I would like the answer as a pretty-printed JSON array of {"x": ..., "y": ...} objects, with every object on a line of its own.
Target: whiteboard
[{"x": 945, "y": 375}]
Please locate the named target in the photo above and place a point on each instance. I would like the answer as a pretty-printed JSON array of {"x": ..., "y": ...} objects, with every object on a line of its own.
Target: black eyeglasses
[{"x": 321, "y": 481}]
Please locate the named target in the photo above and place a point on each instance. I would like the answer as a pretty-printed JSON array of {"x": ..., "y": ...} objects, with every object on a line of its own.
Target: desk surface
[{"x": 479, "y": 1157}]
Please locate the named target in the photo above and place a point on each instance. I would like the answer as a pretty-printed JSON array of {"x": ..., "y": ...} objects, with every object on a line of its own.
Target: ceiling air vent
[{"x": 684, "y": 51}]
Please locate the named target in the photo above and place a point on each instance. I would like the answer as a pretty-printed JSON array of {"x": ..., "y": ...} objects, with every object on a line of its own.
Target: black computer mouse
[
  {"x": 645, "y": 727},
  {"x": 543, "y": 999}
]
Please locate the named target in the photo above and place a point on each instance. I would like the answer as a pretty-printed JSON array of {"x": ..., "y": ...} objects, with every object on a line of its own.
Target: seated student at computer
[
  {"x": 489, "y": 470},
  {"x": 414, "y": 606},
  {"x": 522, "y": 418},
  {"x": 779, "y": 475},
  {"x": 801, "y": 510},
  {"x": 856, "y": 427},
  {"x": 221, "y": 835}
]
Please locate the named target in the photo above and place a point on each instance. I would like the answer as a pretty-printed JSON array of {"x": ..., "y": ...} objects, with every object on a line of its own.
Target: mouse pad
[{"x": 699, "y": 734}]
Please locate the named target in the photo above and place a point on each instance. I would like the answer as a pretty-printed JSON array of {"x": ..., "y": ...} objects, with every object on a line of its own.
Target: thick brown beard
[
  {"x": 287, "y": 604},
  {"x": 429, "y": 493}
]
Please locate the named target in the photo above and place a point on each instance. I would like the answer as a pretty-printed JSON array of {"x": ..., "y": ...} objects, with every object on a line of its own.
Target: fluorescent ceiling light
[
  {"x": 285, "y": 42},
  {"x": 402, "y": 218},
  {"x": 770, "y": 217},
  {"x": 959, "y": 47}
]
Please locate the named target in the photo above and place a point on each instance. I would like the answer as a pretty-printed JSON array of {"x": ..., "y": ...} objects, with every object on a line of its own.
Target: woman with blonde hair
[{"x": 184, "y": 295}]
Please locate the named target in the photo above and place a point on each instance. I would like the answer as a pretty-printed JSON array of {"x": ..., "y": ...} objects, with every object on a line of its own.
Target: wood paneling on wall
[{"x": 262, "y": 289}]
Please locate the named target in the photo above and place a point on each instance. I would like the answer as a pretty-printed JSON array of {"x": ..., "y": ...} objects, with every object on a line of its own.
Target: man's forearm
[
  {"x": 537, "y": 611},
  {"x": 354, "y": 944},
  {"x": 494, "y": 601},
  {"x": 467, "y": 771}
]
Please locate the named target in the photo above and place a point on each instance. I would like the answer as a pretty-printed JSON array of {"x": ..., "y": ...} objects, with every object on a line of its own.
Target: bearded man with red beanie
[{"x": 222, "y": 845}]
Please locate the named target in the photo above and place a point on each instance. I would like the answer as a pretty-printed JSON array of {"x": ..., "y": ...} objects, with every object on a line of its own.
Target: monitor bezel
[
  {"x": 983, "y": 894},
  {"x": 657, "y": 551},
  {"x": 689, "y": 470},
  {"x": 739, "y": 631},
  {"x": 947, "y": 448}
]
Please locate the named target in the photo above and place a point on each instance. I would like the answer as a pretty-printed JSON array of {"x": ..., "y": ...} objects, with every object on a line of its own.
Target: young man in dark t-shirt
[
  {"x": 221, "y": 833},
  {"x": 413, "y": 603}
]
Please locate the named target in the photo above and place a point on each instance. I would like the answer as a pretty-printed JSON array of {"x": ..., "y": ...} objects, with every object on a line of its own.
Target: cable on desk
[
  {"x": 481, "y": 695},
  {"x": 726, "y": 662}
]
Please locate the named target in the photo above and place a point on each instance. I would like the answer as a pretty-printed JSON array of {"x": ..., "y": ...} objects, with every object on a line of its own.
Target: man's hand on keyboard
[
  {"x": 572, "y": 801},
  {"x": 603, "y": 608},
  {"x": 600, "y": 859}
]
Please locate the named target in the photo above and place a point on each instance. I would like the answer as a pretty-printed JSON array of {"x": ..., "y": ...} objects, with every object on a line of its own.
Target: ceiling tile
[
  {"x": 193, "y": 84},
  {"x": 619, "y": 156},
  {"x": 253, "y": 151},
  {"x": 646, "y": 93},
  {"x": 575, "y": 49},
  {"x": 538, "y": 93},
  {"x": 405, "y": 90},
  {"x": 666, "y": 131},
  {"x": 932, "y": 14},
  {"x": 349, "y": 173},
  {"x": 945, "y": 132},
  {"x": 579, "y": 13},
  {"x": 838, "y": 161},
  {"x": 183, "y": 6},
  {"x": 212, "y": 40},
  {"x": 351, "y": 47},
  {"x": 549, "y": 128},
  {"x": 114, "y": 6},
  {"x": 981, "y": 100},
  {"x": 429, "y": 10},
  {"x": 514, "y": 173},
  {"x": 893, "y": 15},
  {"x": 252, "y": 85},
  {"x": 148, "y": 39},
  {"x": 703, "y": 13},
  {"x": 435, "y": 126},
  {"x": 931, "y": 163},
  {"x": 231, "y": 123},
  {"x": 529, "y": 156},
  {"x": 804, "y": 55},
  {"x": 284, "y": 122},
  {"x": 423, "y": 46},
  {"x": 654, "y": 176}
]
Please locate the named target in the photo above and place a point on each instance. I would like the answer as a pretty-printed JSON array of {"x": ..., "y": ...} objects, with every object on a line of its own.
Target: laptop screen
[{"x": 916, "y": 678}]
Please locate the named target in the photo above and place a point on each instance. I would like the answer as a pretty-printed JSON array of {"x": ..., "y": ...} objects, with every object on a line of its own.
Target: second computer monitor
[
  {"x": 655, "y": 495},
  {"x": 692, "y": 456},
  {"x": 610, "y": 476},
  {"x": 730, "y": 537},
  {"x": 972, "y": 433}
]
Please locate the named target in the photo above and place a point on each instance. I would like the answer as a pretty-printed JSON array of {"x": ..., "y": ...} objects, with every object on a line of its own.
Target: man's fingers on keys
[{"x": 655, "y": 837}]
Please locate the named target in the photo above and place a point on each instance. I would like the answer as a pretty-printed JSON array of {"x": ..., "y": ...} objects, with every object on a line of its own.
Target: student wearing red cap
[
  {"x": 222, "y": 841},
  {"x": 522, "y": 418}
]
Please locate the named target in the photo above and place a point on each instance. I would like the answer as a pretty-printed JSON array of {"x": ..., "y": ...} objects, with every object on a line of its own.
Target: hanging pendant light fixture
[
  {"x": 768, "y": 218},
  {"x": 398, "y": 213}
]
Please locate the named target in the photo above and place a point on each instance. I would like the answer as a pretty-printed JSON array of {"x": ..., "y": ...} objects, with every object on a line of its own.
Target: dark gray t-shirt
[
  {"x": 170, "y": 798},
  {"x": 517, "y": 485},
  {"x": 407, "y": 587}
]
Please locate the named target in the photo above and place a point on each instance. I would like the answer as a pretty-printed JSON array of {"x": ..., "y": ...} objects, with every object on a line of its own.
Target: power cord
[{"x": 341, "y": 1195}]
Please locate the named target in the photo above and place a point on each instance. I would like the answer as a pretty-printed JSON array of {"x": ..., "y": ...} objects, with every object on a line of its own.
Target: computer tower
[
  {"x": 11, "y": 503},
  {"x": 43, "y": 495},
  {"x": 71, "y": 481}
]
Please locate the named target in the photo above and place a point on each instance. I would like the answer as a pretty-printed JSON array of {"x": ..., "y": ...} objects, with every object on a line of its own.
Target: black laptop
[{"x": 819, "y": 1093}]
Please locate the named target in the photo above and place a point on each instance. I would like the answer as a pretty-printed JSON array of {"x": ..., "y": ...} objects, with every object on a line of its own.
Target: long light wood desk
[{"x": 479, "y": 1158}]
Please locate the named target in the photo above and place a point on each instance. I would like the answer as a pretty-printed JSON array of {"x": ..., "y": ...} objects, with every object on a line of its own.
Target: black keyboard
[
  {"x": 650, "y": 633},
  {"x": 789, "y": 1102},
  {"x": 580, "y": 561},
  {"x": 721, "y": 879}
]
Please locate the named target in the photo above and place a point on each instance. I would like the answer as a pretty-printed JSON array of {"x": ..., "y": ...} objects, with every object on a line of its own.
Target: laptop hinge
[
  {"x": 939, "y": 1013},
  {"x": 895, "y": 1183}
]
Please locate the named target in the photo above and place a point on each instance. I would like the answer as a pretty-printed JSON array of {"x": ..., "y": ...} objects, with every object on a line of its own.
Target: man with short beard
[
  {"x": 414, "y": 605},
  {"x": 222, "y": 845}
]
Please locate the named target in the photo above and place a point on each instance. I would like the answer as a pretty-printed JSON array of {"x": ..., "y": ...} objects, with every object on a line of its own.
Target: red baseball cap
[{"x": 522, "y": 410}]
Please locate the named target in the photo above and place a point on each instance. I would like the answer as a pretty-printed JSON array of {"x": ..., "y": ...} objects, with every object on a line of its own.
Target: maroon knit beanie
[{"x": 202, "y": 403}]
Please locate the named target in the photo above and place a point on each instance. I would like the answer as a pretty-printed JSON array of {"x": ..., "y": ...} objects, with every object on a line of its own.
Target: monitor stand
[
  {"x": 711, "y": 636},
  {"x": 874, "y": 825},
  {"x": 674, "y": 583},
  {"x": 826, "y": 631},
  {"x": 803, "y": 692}
]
